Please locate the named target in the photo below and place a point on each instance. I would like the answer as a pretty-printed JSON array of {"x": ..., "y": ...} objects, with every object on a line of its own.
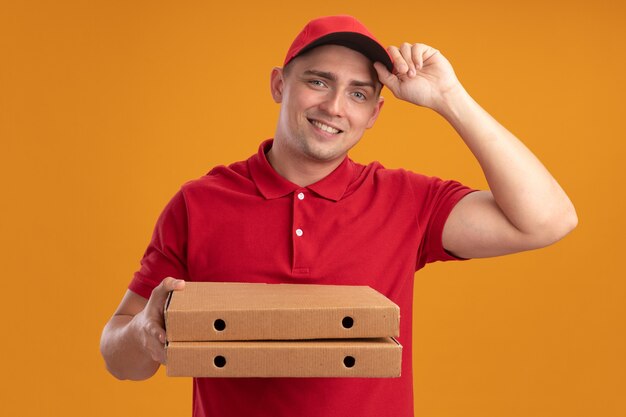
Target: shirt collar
[{"x": 272, "y": 185}]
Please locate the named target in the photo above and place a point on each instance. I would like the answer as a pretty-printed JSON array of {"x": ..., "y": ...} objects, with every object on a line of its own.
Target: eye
[
  {"x": 317, "y": 83},
  {"x": 359, "y": 96}
]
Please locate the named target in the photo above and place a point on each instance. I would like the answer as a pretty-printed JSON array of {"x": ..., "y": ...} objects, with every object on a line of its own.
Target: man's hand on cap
[{"x": 421, "y": 75}]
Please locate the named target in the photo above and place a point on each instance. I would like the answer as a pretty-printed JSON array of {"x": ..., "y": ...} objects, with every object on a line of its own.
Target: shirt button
[
  {"x": 299, "y": 232},
  {"x": 301, "y": 196}
]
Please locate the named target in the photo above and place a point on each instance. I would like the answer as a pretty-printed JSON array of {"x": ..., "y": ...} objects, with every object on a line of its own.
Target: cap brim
[{"x": 356, "y": 41}]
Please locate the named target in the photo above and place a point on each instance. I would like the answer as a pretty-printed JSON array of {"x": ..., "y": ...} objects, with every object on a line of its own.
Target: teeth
[{"x": 324, "y": 127}]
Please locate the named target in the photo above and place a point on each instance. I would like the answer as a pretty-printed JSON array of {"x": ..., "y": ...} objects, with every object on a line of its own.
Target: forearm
[
  {"x": 123, "y": 352},
  {"x": 522, "y": 187}
]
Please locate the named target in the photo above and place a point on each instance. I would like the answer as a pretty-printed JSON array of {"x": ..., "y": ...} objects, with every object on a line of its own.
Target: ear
[
  {"x": 276, "y": 84},
  {"x": 375, "y": 112}
]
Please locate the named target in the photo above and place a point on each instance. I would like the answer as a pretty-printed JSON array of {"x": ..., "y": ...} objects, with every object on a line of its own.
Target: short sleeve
[
  {"x": 166, "y": 255},
  {"x": 435, "y": 199}
]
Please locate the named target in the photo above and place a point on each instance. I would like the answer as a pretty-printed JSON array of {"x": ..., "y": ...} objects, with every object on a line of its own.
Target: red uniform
[{"x": 361, "y": 225}]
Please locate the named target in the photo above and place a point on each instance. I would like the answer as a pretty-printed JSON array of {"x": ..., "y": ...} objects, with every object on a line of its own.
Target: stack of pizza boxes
[{"x": 217, "y": 329}]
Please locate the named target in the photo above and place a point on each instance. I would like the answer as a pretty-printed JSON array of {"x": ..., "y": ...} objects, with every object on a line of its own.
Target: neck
[{"x": 299, "y": 170}]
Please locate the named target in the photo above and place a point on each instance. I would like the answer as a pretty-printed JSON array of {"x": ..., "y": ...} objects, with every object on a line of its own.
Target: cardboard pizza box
[
  {"x": 378, "y": 357},
  {"x": 217, "y": 311}
]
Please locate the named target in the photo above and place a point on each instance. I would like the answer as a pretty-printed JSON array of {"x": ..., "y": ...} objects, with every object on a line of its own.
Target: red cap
[{"x": 339, "y": 30}]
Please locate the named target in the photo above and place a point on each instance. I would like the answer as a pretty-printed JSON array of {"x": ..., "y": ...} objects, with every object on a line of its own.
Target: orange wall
[{"x": 106, "y": 107}]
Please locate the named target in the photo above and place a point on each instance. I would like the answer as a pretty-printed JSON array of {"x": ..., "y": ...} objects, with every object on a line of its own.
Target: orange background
[{"x": 106, "y": 107}]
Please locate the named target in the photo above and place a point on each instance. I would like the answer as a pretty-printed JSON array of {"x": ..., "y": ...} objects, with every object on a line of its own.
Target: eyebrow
[{"x": 332, "y": 77}]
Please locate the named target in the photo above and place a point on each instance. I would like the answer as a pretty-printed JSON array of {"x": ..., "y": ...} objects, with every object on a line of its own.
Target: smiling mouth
[{"x": 324, "y": 127}]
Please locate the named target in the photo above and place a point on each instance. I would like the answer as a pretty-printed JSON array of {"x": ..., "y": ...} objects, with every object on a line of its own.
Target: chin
[{"x": 324, "y": 153}]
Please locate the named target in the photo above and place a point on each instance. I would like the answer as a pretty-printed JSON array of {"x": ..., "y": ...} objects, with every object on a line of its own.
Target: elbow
[
  {"x": 572, "y": 220},
  {"x": 568, "y": 221},
  {"x": 560, "y": 225}
]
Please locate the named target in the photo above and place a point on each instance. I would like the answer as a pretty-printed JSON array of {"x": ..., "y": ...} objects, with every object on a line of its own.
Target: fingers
[
  {"x": 154, "y": 341},
  {"x": 406, "y": 51},
  {"x": 417, "y": 57},
  {"x": 172, "y": 284},
  {"x": 400, "y": 65},
  {"x": 160, "y": 293},
  {"x": 148, "y": 326},
  {"x": 408, "y": 59},
  {"x": 153, "y": 326},
  {"x": 385, "y": 77}
]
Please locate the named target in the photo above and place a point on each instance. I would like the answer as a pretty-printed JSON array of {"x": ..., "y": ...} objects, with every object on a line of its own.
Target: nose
[{"x": 333, "y": 104}]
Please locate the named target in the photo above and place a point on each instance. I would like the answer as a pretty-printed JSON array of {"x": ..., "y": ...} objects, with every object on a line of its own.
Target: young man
[{"x": 300, "y": 211}]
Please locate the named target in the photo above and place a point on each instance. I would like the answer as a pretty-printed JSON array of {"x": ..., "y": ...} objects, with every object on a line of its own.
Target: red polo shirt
[{"x": 361, "y": 225}]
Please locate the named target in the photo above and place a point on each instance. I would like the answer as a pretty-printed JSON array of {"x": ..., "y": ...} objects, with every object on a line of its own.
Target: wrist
[
  {"x": 134, "y": 330},
  {"x": 452, "y": 102}
]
